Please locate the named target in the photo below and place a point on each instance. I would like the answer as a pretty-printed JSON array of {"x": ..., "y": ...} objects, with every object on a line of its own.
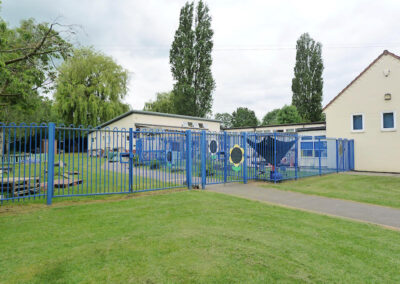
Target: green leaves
[
  {"x": 90, "y": 88},
  {"x": 190, "y": 59},
  {"x": 244, "y": 117},
  {"x": 307, "y": 83},
  {"x": 27, "y": 55},
  {"x": 163, "y": 103}
]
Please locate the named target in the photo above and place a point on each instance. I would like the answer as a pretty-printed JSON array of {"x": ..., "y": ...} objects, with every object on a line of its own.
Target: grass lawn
[
  {"x": 191, "y": 236},
  {"x": 380, "y": 190}
]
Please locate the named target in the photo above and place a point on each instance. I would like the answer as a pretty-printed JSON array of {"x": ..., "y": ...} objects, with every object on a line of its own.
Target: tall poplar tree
[
  {"x": 307, "y": 83},
  {"x": 190, "y": 59}
]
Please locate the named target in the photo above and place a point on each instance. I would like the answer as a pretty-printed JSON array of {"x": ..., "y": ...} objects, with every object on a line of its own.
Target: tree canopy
[
  {"x": 307, "y": 83},
  {"x": 225, "y": 118},
  {"x": 163, "y": 103},
  {"x": 270, "y": 117},
  {"x": 191, "y": 60},
  {"x": 288, "y": 114},
  {"x": 27, "y": 56},
  {"x": 243, "y": 116},
  {"x": 90, "y": 88}
]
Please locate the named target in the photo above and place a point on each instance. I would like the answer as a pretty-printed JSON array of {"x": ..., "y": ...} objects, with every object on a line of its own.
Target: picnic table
[{"x": 18, "y": 186}]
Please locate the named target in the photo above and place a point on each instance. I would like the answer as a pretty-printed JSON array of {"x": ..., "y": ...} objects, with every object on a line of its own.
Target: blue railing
[{"x": 49, "y": 161}]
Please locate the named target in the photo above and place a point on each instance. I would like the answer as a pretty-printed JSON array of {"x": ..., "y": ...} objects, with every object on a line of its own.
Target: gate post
[
  {"x": 226, "y": 157},
  {"x": 296, "y": 153},
  {"x": 274, "y": 157},
  {"x": 189, "y": 159},
  {"x": 130, "y": 159},
  {"x": 344, "y": 157},
  {"x": 337, "y": 156},
  {"x": 203, "y": 151},
  {"x": 245, "y": 157},
  {"x": 50, "y": 163},
  {"x": 319, "y": 156}
]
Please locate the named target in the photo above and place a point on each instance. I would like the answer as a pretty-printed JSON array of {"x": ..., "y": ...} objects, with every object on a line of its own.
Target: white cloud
[{"x": 138, "y": 35}]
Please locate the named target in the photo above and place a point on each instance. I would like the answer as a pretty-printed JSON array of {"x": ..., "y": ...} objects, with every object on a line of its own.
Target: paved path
[
  {"x": 372, "y": 174},
  {"x": 380, "y": 215}
]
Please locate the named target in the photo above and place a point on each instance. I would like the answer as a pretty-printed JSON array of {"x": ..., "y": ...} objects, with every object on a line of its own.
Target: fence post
[
  {"x": 130, "y": 159},
  {"x": 343, "y": 150},
  {"x": 226, "y": 157},
  {"x": 274, "y": 157},
  {"x": 203, "y": 151},
  {"x": 319, "y": 156},
  {"x": 296, "y": 153},
  {"x": 352, "y": 156},
  {"x": 50, "y": 163},
  {"x": 189, "y": 159},
  {"x": 337, "y": 155},
  {"x": 245, "y": 157}
]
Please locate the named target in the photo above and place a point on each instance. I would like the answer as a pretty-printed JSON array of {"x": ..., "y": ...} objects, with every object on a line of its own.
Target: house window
[
  {"x": 201, "y": 125},
  {"x": 388, "y": 121},
  {"x": 357, "y": 123},
  {"x": 190, "y": 124}
]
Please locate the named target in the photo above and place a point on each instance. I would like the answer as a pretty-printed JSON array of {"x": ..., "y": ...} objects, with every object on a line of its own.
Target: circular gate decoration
[
  {"x": 213, "y": 148},
  {"x": 168, "y": 157},
  {"x": 236, "y": 157}
]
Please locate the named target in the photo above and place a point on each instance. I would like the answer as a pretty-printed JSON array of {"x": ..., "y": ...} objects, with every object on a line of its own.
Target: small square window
[
  {"x": 388, "y": 121},
  {"x": 357, "y": 122},
  {"x": 190, "y": 124},
  {"x": 201, "y": 125}
]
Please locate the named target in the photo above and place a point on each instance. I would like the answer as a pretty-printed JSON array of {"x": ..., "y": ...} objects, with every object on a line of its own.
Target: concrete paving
[
  {"x": 380, "y": 215},
  {"x": 373, "y": 174}
]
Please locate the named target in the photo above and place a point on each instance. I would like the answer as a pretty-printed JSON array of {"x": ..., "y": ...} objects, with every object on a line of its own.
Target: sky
[{"x": 254, "y": 42}]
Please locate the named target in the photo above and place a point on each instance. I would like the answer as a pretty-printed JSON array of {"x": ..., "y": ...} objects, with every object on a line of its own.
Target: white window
[
  {"x": 388, "y": 121},
  {"x": 357, "y": 122}
]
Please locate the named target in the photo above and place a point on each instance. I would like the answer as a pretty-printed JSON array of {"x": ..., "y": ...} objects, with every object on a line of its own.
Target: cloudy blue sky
[{"x": 254, "y": 41}]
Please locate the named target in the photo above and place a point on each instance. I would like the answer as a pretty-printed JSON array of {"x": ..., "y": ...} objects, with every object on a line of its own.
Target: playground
[{"x": 49, "y": 161}]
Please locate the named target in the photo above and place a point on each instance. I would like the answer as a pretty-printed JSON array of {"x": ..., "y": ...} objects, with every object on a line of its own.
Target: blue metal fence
[{"x": 49, "y": 161}]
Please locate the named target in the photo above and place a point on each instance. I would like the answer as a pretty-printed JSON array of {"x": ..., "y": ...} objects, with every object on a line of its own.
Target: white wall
[{"x": 375, "y": 149}]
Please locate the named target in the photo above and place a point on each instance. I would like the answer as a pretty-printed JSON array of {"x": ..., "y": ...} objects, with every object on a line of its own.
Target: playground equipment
[{"x": 273, "y": 151}]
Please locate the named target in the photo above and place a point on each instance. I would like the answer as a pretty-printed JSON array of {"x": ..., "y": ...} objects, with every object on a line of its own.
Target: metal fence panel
[{"x": 48, "y": 161}]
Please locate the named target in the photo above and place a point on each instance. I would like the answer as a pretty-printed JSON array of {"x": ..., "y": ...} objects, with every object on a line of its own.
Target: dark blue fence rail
[{"x": 49, "y": 161}]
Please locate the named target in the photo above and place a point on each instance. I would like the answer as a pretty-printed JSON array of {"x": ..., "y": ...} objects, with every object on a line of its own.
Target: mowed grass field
[
  {"x": 190, "y": 236},
  {"x": 379, "y": 190}
]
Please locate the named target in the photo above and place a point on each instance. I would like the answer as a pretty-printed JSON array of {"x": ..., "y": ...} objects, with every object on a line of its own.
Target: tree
[
  {"x": 307, "y": 83},
  {"x": 163, "y": 103},
  {"x": 270, "y": 117},
  {"x": 244, "y": 117},
  {"x": 190, "y": 59},
  {"x": 288, "y": 114},
  {"x": 225, "y": 118},
  {"x": 90, "y": 88},
  {"x": 27, "y": 68}
]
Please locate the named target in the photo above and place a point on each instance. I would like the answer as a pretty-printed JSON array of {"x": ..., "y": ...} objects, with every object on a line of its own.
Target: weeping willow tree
[{"x": 90, "y": 88}]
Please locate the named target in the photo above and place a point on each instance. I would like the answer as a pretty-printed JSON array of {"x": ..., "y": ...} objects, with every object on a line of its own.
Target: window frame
[
  {"x": 352, "y": 123},
  {"x": 394, "y": 121}
]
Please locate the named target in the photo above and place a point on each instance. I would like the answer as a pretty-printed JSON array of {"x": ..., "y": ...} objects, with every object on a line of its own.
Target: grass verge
[
  {"x": 192, "y": 236},
  {"x": 379, "y": 190}
]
